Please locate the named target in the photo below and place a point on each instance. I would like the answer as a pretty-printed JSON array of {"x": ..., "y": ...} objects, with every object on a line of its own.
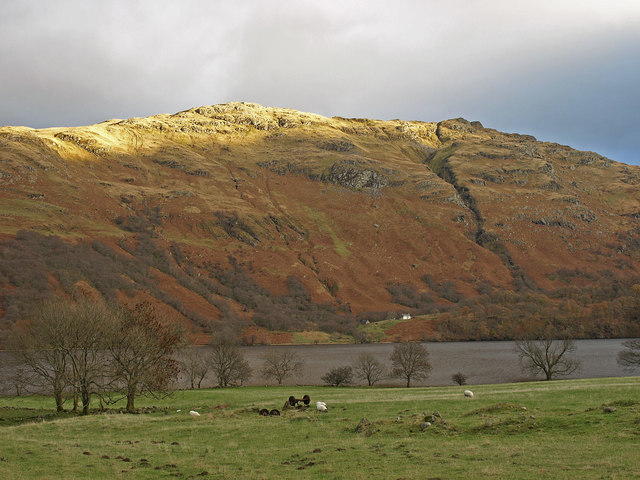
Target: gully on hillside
[{"x": 438, "y": 162}]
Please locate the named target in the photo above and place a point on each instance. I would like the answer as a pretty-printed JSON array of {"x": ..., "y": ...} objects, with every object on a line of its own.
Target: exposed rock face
[
  {"x": 354, "y": 174},
  {"x": 346, "y": 206}
]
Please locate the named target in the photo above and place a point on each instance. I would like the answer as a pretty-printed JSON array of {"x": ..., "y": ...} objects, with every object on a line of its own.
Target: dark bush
[
  {"x": 404, "y": 294},
  {"x": 338, "y": 376},
  {"x": 459, "y": 378}
]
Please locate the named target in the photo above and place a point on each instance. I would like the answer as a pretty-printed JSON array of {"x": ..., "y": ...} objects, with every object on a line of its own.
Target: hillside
[{"x": 265, "y": 219}]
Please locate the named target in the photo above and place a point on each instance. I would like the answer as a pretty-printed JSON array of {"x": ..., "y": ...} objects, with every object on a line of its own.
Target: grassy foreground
[{"x": 561, "y": 429}]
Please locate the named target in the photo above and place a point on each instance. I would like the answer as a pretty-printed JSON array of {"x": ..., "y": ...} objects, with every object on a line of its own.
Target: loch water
[{"x": 482, "y": 362}]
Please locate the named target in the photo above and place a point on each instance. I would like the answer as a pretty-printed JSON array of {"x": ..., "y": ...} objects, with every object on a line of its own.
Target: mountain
[{"x": 271, "y": 221}]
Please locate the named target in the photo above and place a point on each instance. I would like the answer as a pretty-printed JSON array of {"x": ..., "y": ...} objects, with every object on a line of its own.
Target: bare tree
[
  {"x": 629, "y": 357},
  {"x": 368, "y": 368},
  {"x": 410, "y": 361},
  {"x": 551, "y": 357},
  {"x": 338, "y": 376},
  {"x": 280, "y": 364},
  {"x": 61, "y": 344},
  {"x": 227, "y": 361},
  {"x": 86, "y": 338},
  {"x": 195, "y": 362},
  {"x": 42, "y": 346},
  {"x": 141, "y": 344},
  {"x": 19, "y": 376}
]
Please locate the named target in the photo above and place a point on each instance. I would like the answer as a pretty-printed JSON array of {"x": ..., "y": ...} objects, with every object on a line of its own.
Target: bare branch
[
  {"x": 551, "y": 357},
  {"x": 629, "y": 357},
  {"x": 368, "y": 368},
  {"x": 280, "y": 364},
  {"x": 410, "y": 361}
]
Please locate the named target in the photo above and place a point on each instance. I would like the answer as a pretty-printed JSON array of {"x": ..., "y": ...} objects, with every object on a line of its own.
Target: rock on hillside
[{"x": 272, "y": 219}]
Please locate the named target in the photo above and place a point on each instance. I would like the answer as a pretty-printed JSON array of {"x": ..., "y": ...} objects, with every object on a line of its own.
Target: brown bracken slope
[{"x": 265, "y": 219}]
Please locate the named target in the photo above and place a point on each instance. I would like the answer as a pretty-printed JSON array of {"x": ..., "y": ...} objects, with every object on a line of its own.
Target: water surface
[{"x": 481, "y": 362}]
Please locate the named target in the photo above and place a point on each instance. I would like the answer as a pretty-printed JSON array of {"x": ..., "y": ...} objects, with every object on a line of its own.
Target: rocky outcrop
[{"x": 354, "y": 174}]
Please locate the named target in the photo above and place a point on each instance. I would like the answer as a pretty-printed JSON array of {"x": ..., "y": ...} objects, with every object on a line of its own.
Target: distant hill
[{"x": 271, "y": 221}]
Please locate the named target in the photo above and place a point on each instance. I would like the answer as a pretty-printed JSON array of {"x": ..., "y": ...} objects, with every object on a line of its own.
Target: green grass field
[{"x": 560, "y": 429}]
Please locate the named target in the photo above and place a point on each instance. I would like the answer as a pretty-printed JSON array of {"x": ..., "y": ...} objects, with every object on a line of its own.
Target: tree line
[
  {"x": 226, "y": 362},
  {"x": 410, "y": 361},
  {"x": 86, "y": 348}
]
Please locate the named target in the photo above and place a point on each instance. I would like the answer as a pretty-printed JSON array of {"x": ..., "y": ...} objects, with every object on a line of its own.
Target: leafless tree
[
  {"x": 18, "y": 375},
  {"x": 42, "y": 345},
  {"x": 410, "y": 361},
  {"x": 227, "y": 361},
  {"x": 195, "y": 362},
  {"x": 550, "y": 356},
  {"x": 61, "y": 344},
  {"x": 367, "y": 367},
  {"x": 280, "y": 364},
  {"x": 629, "y": 357},
  {"x": 141, "y": 344},
  {"x": 86, "y": 323}
]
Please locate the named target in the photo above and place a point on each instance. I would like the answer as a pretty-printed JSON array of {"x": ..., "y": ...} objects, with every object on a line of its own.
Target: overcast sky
[{"x": 563, "y": 70}]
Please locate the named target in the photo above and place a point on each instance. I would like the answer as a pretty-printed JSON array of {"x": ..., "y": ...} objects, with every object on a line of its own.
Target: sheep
[
  {"x": 468, "y": 393},
  {"x": 193, "y": 413},
  {"x": 321, "y": 407}
]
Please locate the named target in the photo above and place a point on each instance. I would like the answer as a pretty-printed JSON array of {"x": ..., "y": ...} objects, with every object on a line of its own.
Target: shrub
[
  {"x": 459, "y": 378},
  {"x": 338, "y": 376}
]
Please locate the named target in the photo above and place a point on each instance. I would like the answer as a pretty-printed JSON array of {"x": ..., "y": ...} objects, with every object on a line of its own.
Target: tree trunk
[
  {"x": 131, "y": 395},
  {"x": 59, "y": 401},
  {"x": 86, "y": 400},
  {"x": 75, "y": 389}
]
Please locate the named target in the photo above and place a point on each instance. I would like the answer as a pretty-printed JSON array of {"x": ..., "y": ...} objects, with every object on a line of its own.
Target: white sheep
[
  {"x": 468, "y": 393},
  {"x": 193, "y": 413},
  {"x": 321, "y": 407}
]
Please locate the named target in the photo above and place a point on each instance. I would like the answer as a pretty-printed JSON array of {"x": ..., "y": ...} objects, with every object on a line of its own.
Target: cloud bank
[{"x": 564, "y": 71}]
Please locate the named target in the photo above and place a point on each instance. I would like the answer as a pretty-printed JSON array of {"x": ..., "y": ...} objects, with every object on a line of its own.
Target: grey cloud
[
  {"x": 563, "y": 71},
  {"x": 77, "y": 65},
  {"x": 562, "y": 82}
]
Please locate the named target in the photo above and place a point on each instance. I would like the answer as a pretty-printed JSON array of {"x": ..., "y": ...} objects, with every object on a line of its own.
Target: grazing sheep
[
  {"x": 321, "y": 407},
  {"x": 468, "y": 393},
  {"x": 193, "y": 413}
]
